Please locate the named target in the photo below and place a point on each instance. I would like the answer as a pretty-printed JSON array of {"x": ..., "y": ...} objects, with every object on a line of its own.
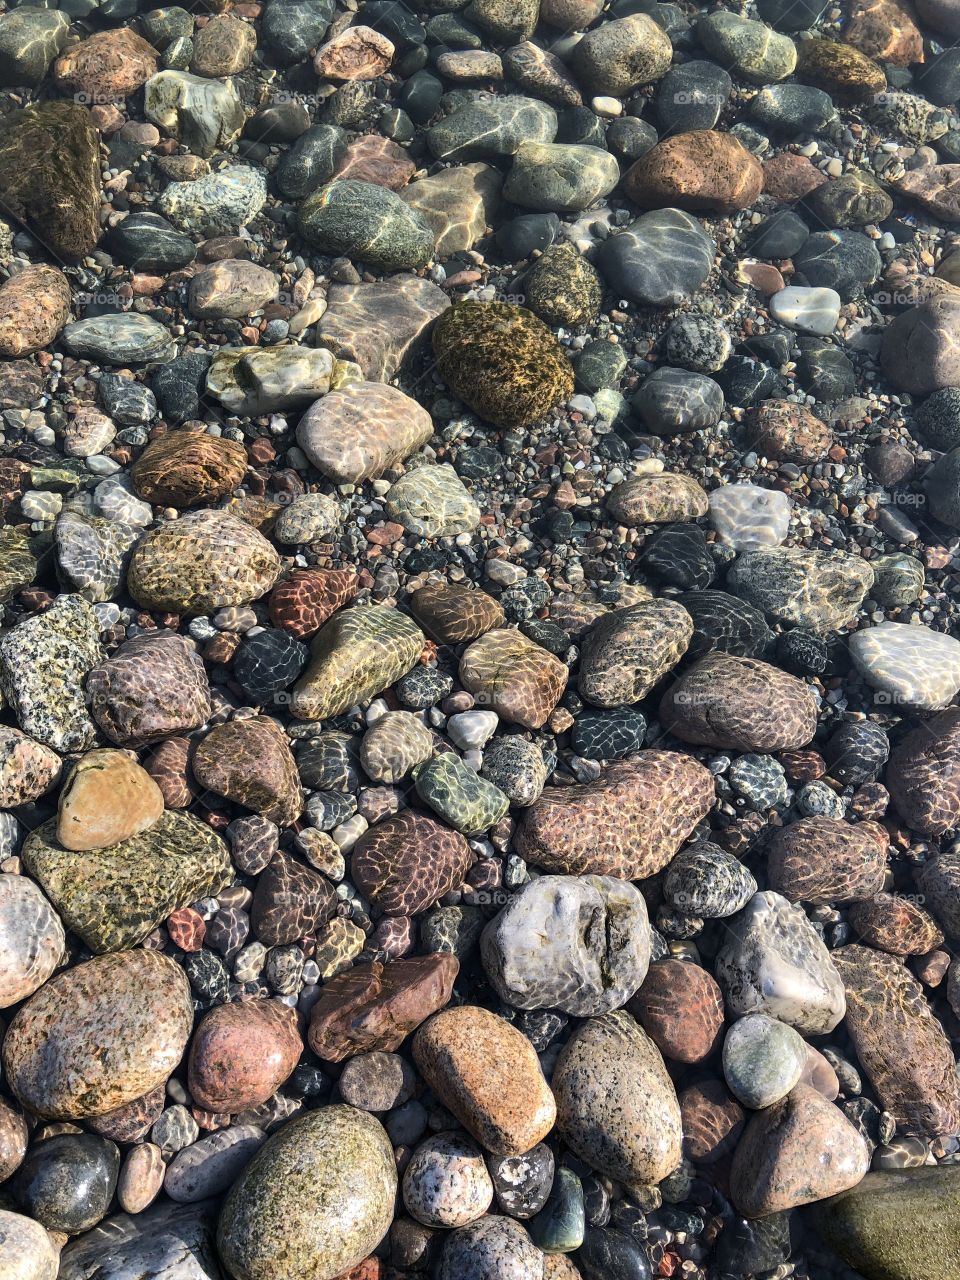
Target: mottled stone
[
  {"x": 492, "y": 1248},
  {"x": 885, "y": 31},
  {"x": 365, "y": 221},
  {"x": 106, "y": 67},
  {"x": 99, "y": 1035},
  {"x": 31, "y": 939},
  {"x": 512, "y": 675},
  {"x": 451, "y": 613},
  {"x": 92, "y": 554},
  {"x": 223, "y": 47},
  {"x": 432, "y": 502},
  {"x": 788, "y": 432},
  {"x": 361, "y": 430},
  {"x": 177, "y": 1241},
  {"x": 302, "y": 601},
  {"x": 556, "y": 177},
  {"x": 891, "y": 923},
  {"x": 141, "y": 1178},
  {"x": 446, "y": 1183},
  {"x": 241, "y": 1054},
  {"x": 913, "y": 666},
  {"x": 917, "y": 352},
  {"x": 712, "y": 1122},
  {"x": 704, "y": 880},
  {"x": 408, "y": 862},
  {"x": 249, "y": 762},
  {"x": 34, "y": 307},
  {"x": 258, "y": 380},
  {"x": 459, "y": 795},
  {"x": 26, "y": 1251},
  {"x": 27, "y": 768},
  {"x": 380, "y": 326},
  {"x": 821, "y": 590},
  {"x": 394, "y": 745},
  {"x": 842, "y": 71},
  {"x": 290, "y": 901},
  {"x": 153, "y": 686},
  {"x": 627, "y": 651},
  {"x": 680, "y": 1008},
  {"x": 188, "y": 469},
  {"x": 657, "y": 499},
  {"x": 67, "y": 1181},
  {"x": 702, "y": 169},
  {"x": 825, "y": 860},
  {"x": 923, "y": 775}
]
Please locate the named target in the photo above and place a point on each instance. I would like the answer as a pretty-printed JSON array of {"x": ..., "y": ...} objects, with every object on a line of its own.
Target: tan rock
[
  {"x": 359, "y": 53},
  {"x": 14, "y": 1135},
  {"x": 106, "y": 798},
  {"x": 231, "y": 288},
  {"x": 34, "y": 307},
  {"x": 701, "y": 169},
  {"x": 840, "y": 70},
  {"x": 106, "y": 67},
  {"x": 358, "y": 431},
  {"x": 884, "y": 30},
  {"x": 515, "y": 677},
  {"x": 457, "y": 203},
  {"x": 224, "y": 46},
  {"x": 788, "y": 432},
  {"x": 141, "y": 1178},
  {"x": 825, "y": 860},
  {"x": 487, "y": 1073},
  {"x": 27, "y": 1251},
  {"x": 657, "y": 499}
]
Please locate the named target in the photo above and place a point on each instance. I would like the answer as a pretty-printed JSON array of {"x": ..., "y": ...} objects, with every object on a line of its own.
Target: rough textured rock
[
  {"x": 188, "y": 469},
  {"x": 657, "y": 499},
  {"x": 27, "y": 768},
  {"x": 820, "y": 860},
  {"x": 821, "y": 590},
  {"x": 518, "y": 679},
  {"x": 249, "y": 761},
  {"x": 702, "y": 169},
  {"x": 34, "y": 307},
  {"x": 356, "y": 655},
  {"x": 923, "y": 775},
  {"x": 241, "y": 1054},
  {"x": 681, "y": 1009}
]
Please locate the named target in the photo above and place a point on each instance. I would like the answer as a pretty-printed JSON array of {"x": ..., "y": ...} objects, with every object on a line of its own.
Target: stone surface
[
  {"x": 659, "y": 260},
  {"x": 513, "y": 676},
  {"x": 457, "y": 203},
  {"x": 380, "y": 326},
  {"x": 366, "y": 221},
  {"x": 911, "y": 666},
  {"x": 290, "y": 901},
  {"x": 106, "y": 798},
  {"x": 762, "y": 1060},
  {"x": 821, "y": 590},
  {"x": 917, "y": 352},
  {"x": 26, "y": 1251},
  {"x": 680, "y": 1008},
  {"x": 923, "y": 775},
  {"x": 621, "y": 54},
  {"x": 249, "y": 761},
  {"x": 272, "y": 379},
  {"x": 657, "y": 499},
  {"x": 241, "y": 1054},
  {"x": 701, "y": 169},
  {"x": 27, "y": 768},
  {"x": 704, "y": 880},
  {"x": 446, "y": 1183},
  {"x": 34, "y": 307},
  {"x": 151, "y": 687},
  {"x": 211, "y": 1165},
  {"x": 204, "y": 114},
  {"x": 628, "y": 651},
  {"x": 432, "y": 502},
  {"x": 451, "y": 613},
  {"x": 408, "y": 862},
  {"x": 748, "y": 517},
  {"x": 821, "y": 859},
  {"x": 31, "y": 939}
]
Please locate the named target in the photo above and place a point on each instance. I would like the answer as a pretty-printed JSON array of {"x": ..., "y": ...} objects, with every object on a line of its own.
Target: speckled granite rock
[
  {"x": 899, "y": 1042},
  {"x": 627, "y": 651},
  {"x": 99, "y": 1035},
  {"x": 356, "y": 655},
  {"x": 18, "y": 564},
  {"x": 249, "y": 761},
  {"x": 44, "y": 661},
  {"x": 27, "y": 768},
  {"x": 31, "y": 939},
  {"x": 704, "y": 880},
  {"x": 34, "y": 307},
  {"x": 113, "y": 897},
  {"x": 361, "y": 430},
  {"x": 821, "y": 590},
  {"x": 825, "y": 860},
  {"x": 491, "y": 1246},
  {"x": 616, "y": 1105},
  {"x": 512, "y": 675},
  {"x": 188, "y": 469},
  {"x": 204, "y": 561},
  {"x": 629, "y": 823},
  {"x": 153, "y": 686},
  {"x": 314, "y": 1201},
  {"x": 923, "y": 775},
  {"x": 408, "y": 862},
  {"x": 459, "y": 795}
]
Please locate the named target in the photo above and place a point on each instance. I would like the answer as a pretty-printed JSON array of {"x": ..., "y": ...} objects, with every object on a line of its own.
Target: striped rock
[{"x": 513, "y": 676}]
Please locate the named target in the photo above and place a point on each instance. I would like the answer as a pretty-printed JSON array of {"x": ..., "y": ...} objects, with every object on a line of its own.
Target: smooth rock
[
  {"x": 762, "y": 1060},
  {"x": 106, "y": 798},
  {"x": 241, "y": 1054}
]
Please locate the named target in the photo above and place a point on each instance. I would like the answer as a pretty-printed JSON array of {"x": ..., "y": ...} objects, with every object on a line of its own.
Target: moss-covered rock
[{"x": 563, "y": 287}]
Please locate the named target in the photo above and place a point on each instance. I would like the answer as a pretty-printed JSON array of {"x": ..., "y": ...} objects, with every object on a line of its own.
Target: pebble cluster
[{"x": 479, "y": 640}]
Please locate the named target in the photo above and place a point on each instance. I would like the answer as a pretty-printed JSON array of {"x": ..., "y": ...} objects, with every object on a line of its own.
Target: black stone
[
  {"x": 547, "y": 635},
  {"x": 127, "y": 402},
  {"x": 208, "y": 975},
  {"x": 481, "y": 462},
  {"x": 802, "y": 652},
  {"x": 773, "y": 347},
  {"x": 608, "y": 735},
  {"x": 67, "y": 1182},
  {"x": 581, "y": 126},
  {"x": 268, "y": 662},
  {"x": 396, "y": 22},
  {"x": 855, "y": 753},
  {"x": 780, "y": 236},
  {"x": 938, "y": 79},
  {"x": 522, "y": 1184},
  {"x": 609, "y": 1254},
  {"x": 420, "y": 96},
  {"x": 147, "y": 242},
  {"x": 519, "y": 237},
  {"x": 678, "y": 554},
  {"x": 746, "y": 381},
  {"x": 791, "y": 15},
  {"x": 841, "y": 260},
  {"x": 825, "y": 371},
  {"x": 279, "y": 122},
  {"x": 726, "y": 623},
  {"x": 311, "y": 161},
  {"x": 938, "y": 419},
  {"x": 631, "y": 138},
  {"x": 691, "y": 96},
  {"x": 291, "y": 28},
  {"x": 560, "y": 1225},
  {"x": 793, "y": 108},
  {"x": 179, "y": 386},
  {"x": 744, "y": 1247}
]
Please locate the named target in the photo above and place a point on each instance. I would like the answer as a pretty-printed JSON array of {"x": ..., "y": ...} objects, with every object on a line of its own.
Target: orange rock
[
  {"x": 789, "y": 177},
  {"x": 359, "y": 53},
  {"x": 106, "y": 67},
  {"x": 884, "y": 30},
  {"x": 701, "y": 169}
]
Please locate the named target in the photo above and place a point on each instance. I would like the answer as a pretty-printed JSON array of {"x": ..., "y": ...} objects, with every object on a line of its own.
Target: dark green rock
[
  {"x": 853, "y": 200},
  {"x": 599, "y": 364},
  {"x": 368, "y": 222},
  {"x": 461, "y": 797},
  {"x": 560, "y": 1225},
  {"x": 67, "y": 1182},
  {"x": 311, "y": 161}
]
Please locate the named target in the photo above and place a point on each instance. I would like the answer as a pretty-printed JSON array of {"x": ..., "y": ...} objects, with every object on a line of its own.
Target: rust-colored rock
[
  {"x": 681, "y": 1009},
  {"x": 375, "y": 1006},
  {"x": 188, "y": 469},
  {"x": 712, "y": 1121},
  {"x": 34, "y": 307},
  {"x": 249, "y": 762},
  {"x": 936, "y": 188},
  {"x": 408, "y": 862},
  {"x": 373, "y": 158},
  {"x": 359, "y": 53},
  {"x": 787, "y": 432},
  {"x": 891, "y": 923},
  {"x": 241, "y": 1054},
  {"x": 885, "y": 31},
  {"x": 451, "y": 613},
  {"x": 923, "y": 775},
  {"x": 701, "y": 169},
  {"x": 826, "y": 860},
  {"x": 304, "y": 600},
  {"x": 789, "y": 177},
  {"x": 106, "y": 67}
]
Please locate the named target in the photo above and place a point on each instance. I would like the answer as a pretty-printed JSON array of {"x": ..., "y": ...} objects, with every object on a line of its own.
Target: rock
[
  {"x": 26, "y": 1251},
  {"x": 27, "y": 770},
  {"x": 407, "y": 862},
  {"x": 703, "y": 880},
  {"x": 541, "y": 74},
  {"x": 485, "y": 129},
  {"x": 99, "y": 1035},
  {"x": 151, "y": 687},
  {"x": 141, "y": 1178},
  {"x": 148, "y": 242},
  {"x": 113, "y": 896},
  {"x": 380, "y": 325},
  {"x": 563, "y": 288},
  {"x": 885, "y": 31},
  {"x": 852, "y": 200},
  {"x": 842, "y": 71},
  {"x": 727, "y": 701},
  {"x": 451, "y": 613},
  {"x": 517, "y": 767},
  {"x": 250, "y": 763},
  {"x": 774, "y": 962},
  {"x": 378, "y": 160},
  {"x": 241, "y": 1054},
  {"x": 457, "y": 203},
  {"x": 916, "y": 352},
  {"x": 231, "y": 289},
  {"x": 628, "y": 651},
  {"x": 821, "y": 590},
  {"x": 806, "y": 310},
  {"x": 18, "y": 564},
  {"x": 762, "y": 1060},
  {"x": 673, "y": 400},
  {"x": 620, "y": 55},
  {"x": 393, "y": 746},
  {"x": 286, "y": 1215},
  {"x": 659, "y": 260},
  {"x": 446, "y": 1183},
  {"x": 824, "y": 860},
  {"x": 923, "y": 775},
  {"x": 799, "y": 1150},
  {"x": 657, "y": 499},
  {"x": 201, "y": 562},
  {"x": 211, "y": 1166},
  {"x": 30, "y": 38},
  {"x": 31, "y": 939},
  {"x": 294, "y": 28},
  {"x": 490, "y": 1248},
  {"x": 204, "y": 114},
  {"x": 366, "y": 221},
  {"x": 50, "y": 175},
  {"x": 432, "y": 502},
  {"x": 942, "y": 482},
  {"x": 303, "y": 600},
  {"x": 895, "y": 924},
  {"x": 188, "y": 469},
  {"x": 712, "y": 1122},
  {"x": 748, "y": 518},
  {"x": 616, "y": 1105},
  {"x": 581, "y": 945},
  {"x": 485, "y": 1072},
  {"x": 505, "y": 21},
  {"x": 747, "y": 48},
  {"x": 312, "y": 160},
  {"x": 910, "y": 665},
  {"x": 223, "y": 47},
  {"x": 119, "y": 338},
  {"x": 359, "y": 53},
  {"x": 680, "y": 1008},
  {"x": 106, "y": 67},
  {"x": 900, "y": 1044},
  {"x": 513, "y": 676},
  {"x": 628, "y": 823},
  {"x": 170, "y": 1236},
  {"x": 67, "y": 1182},
  {"x": 559, "y": 177},
  {"x": 290, "y": 901},
  {"x": 217, "y": 204},
  {"x": 44, "y": 661},
  {"x": 502, "y": 361},
  {"x": 275, "y": 379},
  {"x": 691, "y": 96},
  {"x": 374, "y": 1007},
  {"x": 459, "y": 795},
  {"x": 701, "y": 169},
  {"x": 106, "y": 798},
  {"x": 34, "y": 306}
]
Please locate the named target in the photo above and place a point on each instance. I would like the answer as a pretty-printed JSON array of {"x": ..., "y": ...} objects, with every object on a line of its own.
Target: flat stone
[
  {"x": 701, "y": 169},
  {"x": 365, "y": 221},
  {"x": 27, "y": 768},
  {"x": 628, "y": 651},
  {"x": 188, "y": 469},
  {"x": 212, "y": 1165},
  {"x": 458, "y": 794},
  {"x": 675, "y": 400},
  {"x": 747, "y": 48},
  {"x": 204, "y": 114},
  {"x": 112, "y": 897},
  {"x": 231, "y": 288},
  {"x": 910, "y": 665},
  {"x": 513, "y": 676},
  {"x": 805, "y": 309},
  {"x": 658, "y": 260},
  {"x": 99, "y": 1035},
  {"x": 458, "y": 204},
  {"x": 917, "y": 352},
  {"x": 106, "y": 798},
  {"x": 409, "y": 861},
  {"x": 217, "y": 204},
  {"x": 748, "y": 517},
  {"x": 394, "y": 745},
  {"x": 821, "y": 590},
  {"x": 581, "y": 945},
  {"x": 303, "y": 600},
  {"x": 680, "y": 1008},
  {"x": 177, "y": 1241},
  {"x": 657, "y": 499},
  {"x": 541, "y": 74},
  {"x": 122, "y": 339},
  {"x": 559, "y": 177},
  {"x": 485, "y": 129},
  {"x": 34, "y": 307},
  {"x": 275, "y": 379},
  {"x": 151, "y": 687},
  {"x": 451, "y": 613},
  {"x": 241, "y": 1054},
  {"x": 432, "y": 502},
  {"x": 375, "y": 159},
  {"x": 379, "y": 326}
]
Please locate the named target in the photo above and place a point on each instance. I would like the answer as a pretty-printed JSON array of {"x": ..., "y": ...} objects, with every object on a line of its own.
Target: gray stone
[
  {"x": 912, "y": 666},
  {"x": 165, "y": 1242},
  {"x": 30, "y": 38},
  {"x": 704, "y": 880},
  {"x": 673, "y": 400},
  {"x": 211, "y": 1166},
  {"x": 274, "y": 379},
  {"x": 747, "y": 48},
  {"x": 662, "y": 258},
  {"x": 821, "y": 590},
  {"x": 560, "y": 178},
  {"x": 121, "y": 339},
  {"x": 368, "y": 222},
  {"x": 206, "y": 115},
  {"x": 762, "y": 1060},
  {"x": 218, "y": 204},
  {"x": 485, "y": 129},
  {"x": 432, "y": 502}
]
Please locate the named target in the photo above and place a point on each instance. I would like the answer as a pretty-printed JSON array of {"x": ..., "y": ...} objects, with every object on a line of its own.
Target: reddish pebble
[
  {"x": 187, "y": 929},
  {"x": 306, "y": 598},
  {"x": 241, "y": 1054},
  {"x": 681, "y": 1009}
]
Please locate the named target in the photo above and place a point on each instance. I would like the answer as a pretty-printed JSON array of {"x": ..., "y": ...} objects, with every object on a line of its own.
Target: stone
[
  {"x": 825, "y": 860},
  {"x": 218, "y": 204},
  {"x": 119, "y": 338},
  {"x": 712, "y": 1122},
  {"x": 938, "y": 878},
  {"x": 842, "y": 71},
  {"x": 409, "y": 861},
  {"x": 106, "y": 67},
  {"x": 701, "y": 169},
  {"x": 788, "y": 177},
  {"x": 821, "y": 590},
  {"x": 451, "y": 613},
  {"x": 747, "y": 48},
  {"x": 628, "y": 823},
  {"x": 31, "y": 939},
  {"x": 891, "y": 923},
  {"x": 359, "y": 53},
  {"x": 286, "y": 1216},
  {"x": 620, "y": 55},
  {"x": 275, "y": 379},
  {"x": 657, "y": 499},
  {"x": 44, "y": 660},
  {"x": 365, "y": 221},
  {"x": 942, "y": 488},
  {"x": 489, "y": 1248},
  {"x": 201, "y": 562},
  {"x": 30, "y": 38},
  {"x": 290, "y": 901},
  {"x": 312, "y": 160},
  {"x": 899, "y": 1043},
  {"x": 542, "y": 74},
  {"x": 149, "y": 243},
  {"x": 211, "y": 1165},
  {"x": 304, "y": 599},
  {"x": 458, "y": 794},
  {"x": 106, "y": 798},
  {"x": 581, "y": 945},
  {"x": 432, "y": 502},
  {"x": 231, "y": 289},
  {"x": 67, "y": 1182},
  {"x": 50, "y": 175},
  {"x": 722, "y": 622},
  {"x": 446, "y": 1183},
  {"x": 691, "y": 96},
  {"x": 204, "y": 114},
  {"x": 310, "y": 518},
  {"x": 502, "y": 361},
  {"x": 27, "y": 768},
  {"x": 113, "y": 896},
  {"x": 553, "y": 177},
  {"x": 223, "y": 47},
  {"x": 393, "y": 746},
  {"x": 513, "y": 676},
  {"x": 680, "y": 1008},
  {"x": 249, "y": 762},
  {"x": 658, "y": 260},
  {"x": 774, "y": 962},
  {"x": 151, "y": 687},
  {"x": 852, "y": 200},
  {"x": 628, "y": 651},
  {"x": 355, "y": 656},
  {"x": 170, "y": 1236},
  {"x": 807, "y": 310},
  {"x": 98, "y": 1035},
  {"x": 748, "y": 517},
  {"x": 616, "y": 1105},
  {"x": 923, "y": 775},
  {"x": 562, "y": 287},
  {"x": 241, "y": 1054},
  {"x": 841, "y": 261},
  {"x": 728, "y": 701},
  {"x": 801, "y": 1149},
  {"x": 378, "y": 160},
  {"x": 27, "y": 1252},
  {"x": 917, "y": 353},
  {"x": 294, "y": 28},
  {"x": 912, "y": 666},
  {"x": 485, "y": 129},
  {"x": 377, "y": 1081},
  {"x": 374, "y": 1007},
  {"x": 457, "y": 203},
  {"x": 674, "y": 400},
  {"x": 517, "y": 767},
  {"x": 885, "y": 31},
  {"x": 380, "y": 326},
  {"x": 34, "y": 307},
  {"x": 763, "y": 1059},
  {"x": 486, "y": 1072},
  {"x": 704, "y": 880}
]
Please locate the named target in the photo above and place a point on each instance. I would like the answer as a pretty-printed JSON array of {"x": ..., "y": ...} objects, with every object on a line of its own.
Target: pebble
[
  {"x": 762, "y": 1060},
  {"x": 912, "y": 666},
  {"x": 806, "y": 310},
  {"x": 446, "y": 1183}
]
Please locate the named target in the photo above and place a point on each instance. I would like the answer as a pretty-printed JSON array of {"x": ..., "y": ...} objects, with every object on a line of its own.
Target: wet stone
[
  {"x": 249, "y": 762},
  {"x": 821, "y": 590},
  {"x": 407, "y": 862},
  {"x": 150, "y": 688},
  {"x": 31, "y": 939},
  {"x": 290, "y": 901},
  {"x": 660, "y": 259},
  {"x": 680, "y": 1008},
  {"x": 462, "y": 798},
  {"x": 628, "y": 651}
]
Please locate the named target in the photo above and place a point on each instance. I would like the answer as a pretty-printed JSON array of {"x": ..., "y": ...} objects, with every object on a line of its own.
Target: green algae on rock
[
  {"x": 501, "y": 361},
  {"x": 563, "y": 288},
  {"x": 113, "y": 897},
  {"x": 365, "y": 221}
]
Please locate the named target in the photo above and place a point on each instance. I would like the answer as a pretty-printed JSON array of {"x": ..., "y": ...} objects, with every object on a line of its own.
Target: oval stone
[
  {"x": 31, "y": 939},
  {"x": 241, "y": 1054},
  {"x": 26, "y": 1251}
]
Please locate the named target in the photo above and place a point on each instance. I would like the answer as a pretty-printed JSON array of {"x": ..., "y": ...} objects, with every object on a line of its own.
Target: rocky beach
[{"x": 480, "y": 640}]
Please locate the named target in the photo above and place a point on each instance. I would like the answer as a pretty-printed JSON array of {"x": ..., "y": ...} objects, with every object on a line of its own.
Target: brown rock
[
  {"x": 168, "y": 764},
  {"x": 231, "y": 288},
  {"x": 373, "y": 158},
  {"x": 884, "y": 30},
  {"x": 249, "y": 762},
  {"x": 628, "y": 823},
  {"x": 106, "y": 67},
  {"x": 34, "y": 307},
  {"x": 840, "y": 70},
  {"x": 13, "y": 1140},
  {"x": 681, "y": 1009},
  {"x": 701, "y": 169},
  {"x": 801, "y": 1149},
  {"x": 131, "y": 1121},
  {"x": 713, "y": 1121},
  {"x": 891, "y": 923},
  {"x": 900, "y": 1044},
  {"x": 380, "y": 326},
  {"x": 826, "y": 860},
  {"x": 657, "y": 499},
  {"x": 241, "y": 1054},
  {"x": 106, "y": 798},
  {"x": 375, "y": 1006},
  {"x": 936, "y": 188},
  {"x": 452, "y": 614},
  {"x": 923, "y": 775},
  {"x": 359, "y": 53},
  {"x": 141, "y": 1177},
  {"x": 290, "y": 901},
  {"x": 789, "y": 177},
  {"x": 788, "y": 432},
  {"x": 487, "y": 1073},
  {"x": 224, "y": 46},
  {"x": 516, "y": 678},
  {"x": 27, "y": 768},
  {"x": 303, "y": 601},
  {"x": 570, "y": 15},
  {"x": 188, "y": 469},
  {"x": 408, "y": 862}
]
